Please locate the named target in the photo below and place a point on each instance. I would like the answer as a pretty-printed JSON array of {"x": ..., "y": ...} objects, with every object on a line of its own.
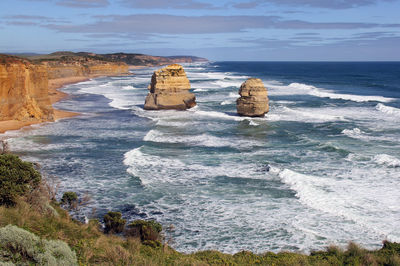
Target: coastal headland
[{"x": 29, "y": 85}]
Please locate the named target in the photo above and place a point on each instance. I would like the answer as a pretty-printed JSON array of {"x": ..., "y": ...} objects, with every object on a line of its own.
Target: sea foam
[
  {"x": 387, "y": 160},
  {"x": 388, "y": 110},
  {"x": 311, "y": 90}
]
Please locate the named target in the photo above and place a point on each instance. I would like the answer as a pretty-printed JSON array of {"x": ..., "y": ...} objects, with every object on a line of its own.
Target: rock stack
[
  {"x": 169, "y": 89},
  {"x": 253, "y": 99}
]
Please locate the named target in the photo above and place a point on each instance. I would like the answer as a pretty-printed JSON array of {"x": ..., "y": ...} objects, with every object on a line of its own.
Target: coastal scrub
[{"x": 17, "y": 178}]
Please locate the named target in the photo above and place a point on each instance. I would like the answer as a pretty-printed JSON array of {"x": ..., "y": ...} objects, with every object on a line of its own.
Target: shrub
[
  {"x": 17, "y": 178},
  {"x": 70, "y": 200},
  {"x": 146, "y": 230},
  {"x": 114, "y": 223},
  {"x": 18, "y": 245}
]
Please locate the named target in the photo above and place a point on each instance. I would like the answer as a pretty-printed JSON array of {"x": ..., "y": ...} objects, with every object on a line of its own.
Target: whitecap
[
  {"x": 252, "y": 123},
  {"x": 204, "y": 140},
  {"x": 319, "y": 92},
  {"x": 387, "y": 160},
  {"x": 388, "y": 110},
  {"x": 353, "y": 133},
  {"x": 308, "y": 115},
  {"x": 234, "y": 95},
  {"x": 227, "y": 102}
]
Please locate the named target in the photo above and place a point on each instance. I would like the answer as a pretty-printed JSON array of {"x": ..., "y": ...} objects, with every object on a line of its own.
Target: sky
[{"x": 224, "y": 30}]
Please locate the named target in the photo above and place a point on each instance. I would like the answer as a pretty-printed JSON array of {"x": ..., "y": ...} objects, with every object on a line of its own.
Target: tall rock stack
[
  {"x": 169, "y": 89},
  {"x": 253, "y": 99}
]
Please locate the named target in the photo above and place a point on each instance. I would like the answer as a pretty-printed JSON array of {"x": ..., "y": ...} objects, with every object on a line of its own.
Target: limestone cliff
[
  {"x": 23, "y": 91},
  {"x": 78, "y": 68},
  {"x": 169, "y": 89},
  {"x": 254, "y": 98}
]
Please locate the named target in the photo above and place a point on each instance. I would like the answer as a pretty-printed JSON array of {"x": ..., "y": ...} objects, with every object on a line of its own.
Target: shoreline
[{"x": 55, "y": 96}]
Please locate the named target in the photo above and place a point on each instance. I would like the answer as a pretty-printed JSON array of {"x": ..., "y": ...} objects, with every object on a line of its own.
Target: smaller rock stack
[
  {"x": 254, "y": 98},
  {"x": 169, "y": 89}
]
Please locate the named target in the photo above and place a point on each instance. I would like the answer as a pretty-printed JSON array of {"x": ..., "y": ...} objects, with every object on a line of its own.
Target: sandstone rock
[
  {"x": 169, "y": 89},
  {"x": 254, "y": 98},
  {"x": 24, "y": 92},
  {"x": 58, "y": 69}
]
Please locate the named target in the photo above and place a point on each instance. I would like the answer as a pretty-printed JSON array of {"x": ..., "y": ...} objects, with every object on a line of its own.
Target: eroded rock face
[
  {"x": 85, "y": 69},
  {"x": 169, "y": 89},
  {"x": 254, "y": 98},
  {"x": 24, "y": 92}
]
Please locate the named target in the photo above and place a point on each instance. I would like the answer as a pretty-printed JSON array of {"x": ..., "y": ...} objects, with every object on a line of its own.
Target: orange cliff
[
  {"x": 24, "y": 98},
  {"x": 28, "y": 90}
]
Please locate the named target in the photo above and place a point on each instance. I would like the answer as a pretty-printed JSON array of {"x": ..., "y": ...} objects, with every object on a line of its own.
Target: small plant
[
  {"x": 18, "y": 245},
  {"x": 17, "y": 178},
  {"x": 70, "y": 200},
  {"x": 145, "y": 230},
  {"x": 114, "y": 223}
]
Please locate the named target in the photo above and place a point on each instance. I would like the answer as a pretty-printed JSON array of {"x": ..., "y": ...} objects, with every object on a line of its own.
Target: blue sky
[{"x": 276, "y": 30}]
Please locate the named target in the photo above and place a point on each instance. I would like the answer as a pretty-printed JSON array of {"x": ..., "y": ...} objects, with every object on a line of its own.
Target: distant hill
[
  {"x": 130, "y": 59},
  {"x": 149, "y": 60}
]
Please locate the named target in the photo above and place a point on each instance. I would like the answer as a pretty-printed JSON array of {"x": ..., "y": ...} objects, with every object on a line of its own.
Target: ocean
[{"x": 321, "y": 168}]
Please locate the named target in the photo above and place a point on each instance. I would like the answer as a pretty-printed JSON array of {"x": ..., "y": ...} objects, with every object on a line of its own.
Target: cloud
[
  {"x": 331, "y": 4},
  {"x": 247, "y": 5},
  {"x": 307, "y": 34},
  {"x": 76, "y": 3},
  {"x": 83, "y": 3},
  {"x": 22, "y": 23},
  {"x": 169, "y": 24},
  {"x": 28, "y": 20},
  {"x": 162, "y": 4},
  {"x": 34, "y": 19},
  {"x": 374, "y": 35}
]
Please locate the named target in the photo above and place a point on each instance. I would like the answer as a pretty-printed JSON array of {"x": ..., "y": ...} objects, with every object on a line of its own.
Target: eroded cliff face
[
  {"x": 169, "y": 89},
  {"x": 24, "y": 91},
  {"x": 254, "y": 98},
  {"x": 85, "y": 69}
]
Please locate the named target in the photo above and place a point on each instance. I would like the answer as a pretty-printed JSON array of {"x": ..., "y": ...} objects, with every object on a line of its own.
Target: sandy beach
[{"x": 55, "y": 96}]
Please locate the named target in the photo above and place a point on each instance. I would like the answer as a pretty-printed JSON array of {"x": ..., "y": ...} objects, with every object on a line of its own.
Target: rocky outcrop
[
  {"x": 23, "y": 91},
  {"x": 253, "y": 99},
  {"x": 169, "y": 89}
]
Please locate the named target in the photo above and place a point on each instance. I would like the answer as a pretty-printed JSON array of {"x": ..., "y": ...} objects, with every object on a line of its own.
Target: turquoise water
[{"x": 323, "y": 167}]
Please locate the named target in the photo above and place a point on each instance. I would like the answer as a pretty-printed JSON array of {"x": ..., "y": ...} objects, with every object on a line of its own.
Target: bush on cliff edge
[
  {"x": 22, "y": 247},
  {"x": 17, "y": 178}
]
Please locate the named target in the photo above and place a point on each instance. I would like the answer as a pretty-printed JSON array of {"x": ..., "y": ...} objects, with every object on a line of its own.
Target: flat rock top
[
  {"x": 253, "y": 82},
  {"x": 253, "y": 87}
]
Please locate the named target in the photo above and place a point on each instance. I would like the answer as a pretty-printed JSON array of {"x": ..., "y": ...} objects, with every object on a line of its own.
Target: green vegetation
[
  {"x": 40, "y": 232},
  {"x": 20, "y": 246},
  {"x": 149, "y": 232},
  {"x": 114, "y": 223},
  {"x": 69, "y": 199},
  {"x": 17, "y": 178}
]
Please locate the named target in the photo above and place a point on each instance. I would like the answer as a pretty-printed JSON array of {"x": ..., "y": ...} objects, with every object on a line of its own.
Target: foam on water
[
  {"x": 196, "y": 140},
  {"x": 227, "y": 102},
  {"x": 353, "y": 133},
  {"x": 387, "y": 160},
  {"x": 329, "y": 94},
  {"x": 304, "y": 89},
  {"x": 307, "y": 115},
  {"x": 388, "y": 110},
  {"x": 344, "y": 198},
  {"x": 144, "y": 165}
]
